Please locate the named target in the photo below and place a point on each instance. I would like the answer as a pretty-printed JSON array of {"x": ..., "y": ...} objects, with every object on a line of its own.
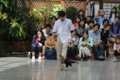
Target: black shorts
[{"x": 116, "y": 53}]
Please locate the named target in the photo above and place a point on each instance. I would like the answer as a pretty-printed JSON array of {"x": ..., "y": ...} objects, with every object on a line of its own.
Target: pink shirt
[
  {"x": 37, "y": 40},
  {"x": 116, "y": 46}
]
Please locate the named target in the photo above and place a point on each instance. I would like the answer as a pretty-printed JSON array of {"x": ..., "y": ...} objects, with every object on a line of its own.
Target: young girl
[
  {"x": 72, "y": 48},
  {"x": 81, "y": 14},
  {"x": 53, "y": 20},
  {"x": 105, "y": 37},
  {"x": 113, "y": 14},
  {"x": 85, "y": 46},
  {"x": 116, "y": 49},
  {"x": 80, "y": 28},
  {"x": 37, "y": 44},
  {"x": 77, "y": 20}
]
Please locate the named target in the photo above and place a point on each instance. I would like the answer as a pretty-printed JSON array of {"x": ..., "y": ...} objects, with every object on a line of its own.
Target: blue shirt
[
  {"x": 116, "y": 29},
  {"x": 99, "y": 20},
  {"x": 95, "y": 36}
]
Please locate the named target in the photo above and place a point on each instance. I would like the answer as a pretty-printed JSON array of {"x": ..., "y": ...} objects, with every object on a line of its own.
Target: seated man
[
  {"x": 97, "y": 48},
  {"x": 47, "y": 30},
  {"x": 115, "y": 31},
  {"x": 90, "y": 25},
  {"x": 50, "y": 48}
]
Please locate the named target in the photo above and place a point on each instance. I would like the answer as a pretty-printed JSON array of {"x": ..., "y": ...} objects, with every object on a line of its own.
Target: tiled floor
[{"x": 16, "y": 68}]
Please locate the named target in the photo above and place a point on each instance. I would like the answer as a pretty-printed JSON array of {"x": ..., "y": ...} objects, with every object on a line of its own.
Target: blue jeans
[
  {"x": 36, "y": 48},
  {"x": 99, "y": 50}
]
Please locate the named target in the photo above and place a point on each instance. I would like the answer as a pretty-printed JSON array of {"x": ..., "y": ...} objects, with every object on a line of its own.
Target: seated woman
[
  {"x": 85, "y": 46},
  {"x": 105, "y": 37},
  {"x": 37, "y": 44},
  {"x": 80, "y": 28},
  {"x": 72, "y": 48},
  {"x": 50, "y": 46}
]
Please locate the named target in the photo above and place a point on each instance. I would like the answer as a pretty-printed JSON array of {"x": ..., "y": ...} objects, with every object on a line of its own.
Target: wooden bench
[
  {"x": 19, "y": 47},
  {"x": 93, "y": 54}
]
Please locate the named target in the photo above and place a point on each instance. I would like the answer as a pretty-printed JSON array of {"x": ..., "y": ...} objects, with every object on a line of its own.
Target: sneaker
[
  {"x": 33, "y": 57},
  {"x": 39, "y": 57},
  {"x": 89, "y": 59},
  {"x": 82, "y": 59},
  {"x": 43, "y": 57},
  {"x": 115, "y": 60},
  {"x": 101, "y": 57}
]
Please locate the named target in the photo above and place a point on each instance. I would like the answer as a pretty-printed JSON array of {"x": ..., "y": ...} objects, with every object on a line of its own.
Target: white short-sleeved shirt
[{"x": 63, "y": 29}]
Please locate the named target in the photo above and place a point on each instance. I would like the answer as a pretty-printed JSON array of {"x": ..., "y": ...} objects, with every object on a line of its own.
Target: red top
[{"x": 75, "y": 24}]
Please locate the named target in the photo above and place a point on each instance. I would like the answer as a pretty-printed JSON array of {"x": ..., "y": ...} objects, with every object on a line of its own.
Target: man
[
  {"x": 100, "y": 18},
  {"x": 47, "y": 30},
  {"x": 115, "y": 31},
  {"x": 62, "y": 28},
  {"x": 97, "y": 48}
]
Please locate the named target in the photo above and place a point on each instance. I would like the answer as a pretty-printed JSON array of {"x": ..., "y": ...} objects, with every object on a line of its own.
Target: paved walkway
[{"x": 19, "y": 68}]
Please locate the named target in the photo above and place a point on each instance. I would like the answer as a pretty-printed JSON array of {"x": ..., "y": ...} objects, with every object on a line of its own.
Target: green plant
[
  {"x": 118, "y": 9},
  {"x": 43, "y": 10},
  {"x": 57, "y": 8},
  {"x": 71, "y": 12},
  {"x": 17, "y": 23},
  {"x": 50, "y": 14},
  {"x": 16, "y": 29}
]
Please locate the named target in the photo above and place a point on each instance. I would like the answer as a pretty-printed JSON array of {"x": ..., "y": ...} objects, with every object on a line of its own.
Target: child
[
  {"x": 81, "y": 14},
  {"x": 100, "y": 17},
  {"x": 116, "y": 49},
  {"x": 50, "y": 48},
  {"x": 105, "y": 37},
  {"x": 85, "y": 46},
  {"x": 80, "y": 28},
  {"x": 90, "y": 25},
  {"x": 115, "y": 31},
  {"x": 113, "y": 14},
  {"x": 77, "y": 20}
]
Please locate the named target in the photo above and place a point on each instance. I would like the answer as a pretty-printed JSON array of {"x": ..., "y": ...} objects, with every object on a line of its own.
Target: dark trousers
[
  {"x": 99, "y": 50},
  {"x": 36, "y": 48},
  {"x": 116, "y": 53},
  {"x": 71, "y": 51}
]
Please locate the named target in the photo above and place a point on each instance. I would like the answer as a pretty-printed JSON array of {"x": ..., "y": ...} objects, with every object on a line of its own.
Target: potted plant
[
  {"x": 17, "y": 24},
  {"x": 49, "y": 14},
  {"x": 71, "y": 12}
]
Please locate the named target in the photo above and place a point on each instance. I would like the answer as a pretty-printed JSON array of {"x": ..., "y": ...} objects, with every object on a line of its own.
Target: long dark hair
[
  {"x": 41, "y": 33},
  {"x": 76, "y": 18},
  {"x": 81, "y": 10},
  {"x": 53, "y": 17},
  {"x": 83, "y": 25},
  {"x": 86, "y": 31},
  {"x": 112, "y": 12}
]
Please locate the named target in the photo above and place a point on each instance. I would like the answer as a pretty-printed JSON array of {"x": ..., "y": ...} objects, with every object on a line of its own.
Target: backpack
[{"x": 50, "y": 54}]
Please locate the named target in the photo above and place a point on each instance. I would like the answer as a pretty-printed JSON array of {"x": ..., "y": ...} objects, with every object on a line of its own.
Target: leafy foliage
[
  {"x": 71, "y": 12},
  {"x": 118, "y": 9},
  {"x": 17, "y": 23}
]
